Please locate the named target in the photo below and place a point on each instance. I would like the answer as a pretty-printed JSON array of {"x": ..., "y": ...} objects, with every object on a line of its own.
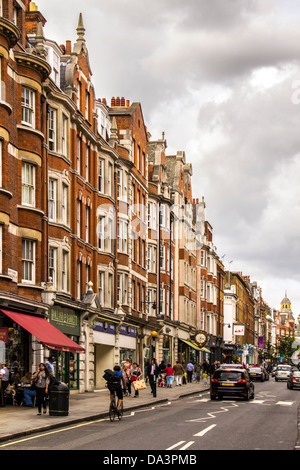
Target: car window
[
  {"x": 283, "y": 368},
  {"x": 254, "y": 369},
  {"x": 228, "y": 375},
  {"x": 296, "y": 373}
]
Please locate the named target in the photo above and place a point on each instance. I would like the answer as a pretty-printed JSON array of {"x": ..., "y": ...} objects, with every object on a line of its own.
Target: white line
[
  {"x": 285, "y": 403},
  {"x": 201, "y": 433},
  {"x": 175, "y": 445},
  {"x": 187, "y": 445}
]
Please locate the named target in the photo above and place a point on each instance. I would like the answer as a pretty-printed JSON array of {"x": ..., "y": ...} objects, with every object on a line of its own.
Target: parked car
[
  {"x": 231, "y": 381},
  {"x": 294, "y": 380},
  {"x": 282, "y": 372},
  {"x": 256, "y": 373}
]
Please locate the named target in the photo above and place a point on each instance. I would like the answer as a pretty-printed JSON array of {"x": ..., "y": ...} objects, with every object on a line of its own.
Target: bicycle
[{"x": 113, "y": 411}]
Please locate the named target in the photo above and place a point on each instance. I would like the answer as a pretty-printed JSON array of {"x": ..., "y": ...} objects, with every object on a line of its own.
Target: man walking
[
  {"x": 178, "y": 373},
  {"x": 189, "y": 372},
  {"x": 152, "y": 374}
]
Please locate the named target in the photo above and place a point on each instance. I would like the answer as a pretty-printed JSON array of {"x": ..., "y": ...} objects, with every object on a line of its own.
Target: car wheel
[
  {"x": 213, "y": 397},
  {"x": 246, "y": 397}
]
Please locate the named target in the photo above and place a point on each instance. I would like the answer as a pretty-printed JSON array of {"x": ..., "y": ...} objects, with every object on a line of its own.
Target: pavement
[{"x": 20, "y": 421}]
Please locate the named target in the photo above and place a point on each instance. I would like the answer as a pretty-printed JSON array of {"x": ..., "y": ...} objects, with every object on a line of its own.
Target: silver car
[{"x": 282, "y": 372}]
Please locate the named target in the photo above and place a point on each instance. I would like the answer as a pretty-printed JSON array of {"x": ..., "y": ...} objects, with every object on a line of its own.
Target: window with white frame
[
  {"x": 65, "y": 271},
  {"x": 78, "y": 154},
  {"x": 110, "y": 179},
  {"x": 122, "y": 236},
  {"x": 64, "y": 135},
  {"x": 87, "y": 162},
  {"x": 87, "y": 224},
  {"x": 52, "y": 203},
  {"x": 101, "y": 175},
  {"x": 101, "y": 275},
  {"x": 1, "y": 249},
  {"x": 27, "y": 105},
  {"x": 162, "y": 301},
  {"x": 52, "y": 129},
  {"x": 122, "y": 288},
  {"x": 28, "y": 184},
  {"x": 64, "y": 210},
  {"x": 53, "y": 268},
  {"x": 28, "y": 260},
  {"x": 101, "y": 234},
  {"x": 78, "y": 279},
  {"x": 152, "y": 218},
  {"x": 110, "y": 291}
]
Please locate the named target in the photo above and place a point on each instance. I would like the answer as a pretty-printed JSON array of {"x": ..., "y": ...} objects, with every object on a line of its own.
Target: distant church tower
[{"x": 285, "y": 322}]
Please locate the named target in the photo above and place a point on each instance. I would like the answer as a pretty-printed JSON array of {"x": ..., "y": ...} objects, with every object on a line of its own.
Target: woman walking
[
  {"x": 169, "y": 375},
  {"x": 42, "y": 380}
]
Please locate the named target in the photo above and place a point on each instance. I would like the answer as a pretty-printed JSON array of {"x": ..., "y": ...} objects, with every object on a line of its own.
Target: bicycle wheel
[{"x": 112, "y": 410}]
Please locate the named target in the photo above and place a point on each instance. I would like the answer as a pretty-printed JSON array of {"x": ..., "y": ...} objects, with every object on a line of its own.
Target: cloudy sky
[{"x": 221, "y": 78}]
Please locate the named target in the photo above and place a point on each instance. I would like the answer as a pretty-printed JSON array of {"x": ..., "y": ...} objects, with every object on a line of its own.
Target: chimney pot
[
  {"x": 113, "y": 101},
  {"x": 118, "y": 101}
]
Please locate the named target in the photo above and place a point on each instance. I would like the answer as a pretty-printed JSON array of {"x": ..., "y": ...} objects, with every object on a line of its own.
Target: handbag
[{"x": 139, "y": 384}]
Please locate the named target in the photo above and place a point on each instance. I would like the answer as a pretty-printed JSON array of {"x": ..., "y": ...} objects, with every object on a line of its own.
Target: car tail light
[
  {"x": 214, "y": 380},
  {"x": 294, "y": 380},
  {"x": 242, "y": 381}
]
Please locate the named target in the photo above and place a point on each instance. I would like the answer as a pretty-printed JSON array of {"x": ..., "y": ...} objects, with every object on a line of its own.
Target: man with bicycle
[{"x": 116, "y": 387}]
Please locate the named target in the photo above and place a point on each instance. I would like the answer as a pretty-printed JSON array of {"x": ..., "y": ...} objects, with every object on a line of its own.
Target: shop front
[
  {"x": 25, "y": 337},
  {"x": 66, "y": 364},
  {"x": 188, "y": 352}
]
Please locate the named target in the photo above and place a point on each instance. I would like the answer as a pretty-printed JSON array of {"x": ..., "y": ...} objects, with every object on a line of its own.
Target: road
[{"x": 269, "y": 422}]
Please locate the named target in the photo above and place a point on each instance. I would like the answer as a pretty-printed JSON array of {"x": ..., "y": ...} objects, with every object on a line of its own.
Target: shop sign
[
  {"x": 239, "y": 330},
  {"x": 105, "y": 326},
  {"x": 4, "y": 335},
  {"x": 128, "y": 330},
  {"x": 66, "y": 320}
]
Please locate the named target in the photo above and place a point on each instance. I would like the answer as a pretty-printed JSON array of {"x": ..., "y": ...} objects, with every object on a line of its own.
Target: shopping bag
[{"x": 139, "y": 384}]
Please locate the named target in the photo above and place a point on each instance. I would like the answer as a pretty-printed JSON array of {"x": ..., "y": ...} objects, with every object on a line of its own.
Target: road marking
[
  {"x": 285, "y": 403},
  {"x": 187, "y": 445},
  {"x": 175, "y": 445},
  {"x": 201, "y": 433}
]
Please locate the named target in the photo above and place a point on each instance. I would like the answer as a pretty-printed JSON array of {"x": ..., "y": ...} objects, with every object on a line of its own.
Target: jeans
[{"x": 28, "y": 394}]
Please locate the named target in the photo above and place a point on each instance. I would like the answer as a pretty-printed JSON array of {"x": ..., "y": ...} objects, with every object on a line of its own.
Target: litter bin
[{"x": 59, "y": 399}]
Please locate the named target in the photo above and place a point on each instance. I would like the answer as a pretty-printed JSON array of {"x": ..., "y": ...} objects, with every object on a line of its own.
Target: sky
[{"x": 221, "y": 79}]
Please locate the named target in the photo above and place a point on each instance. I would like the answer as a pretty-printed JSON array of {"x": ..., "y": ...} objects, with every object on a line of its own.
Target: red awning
[{"x": 46, "y": 333}]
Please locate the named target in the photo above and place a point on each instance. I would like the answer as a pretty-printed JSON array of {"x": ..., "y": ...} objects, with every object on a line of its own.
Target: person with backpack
[{"x": 116, "y": 383}]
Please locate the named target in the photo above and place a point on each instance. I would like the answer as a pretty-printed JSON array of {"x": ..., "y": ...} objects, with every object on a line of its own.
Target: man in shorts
[{"x": 117, "y": 387}]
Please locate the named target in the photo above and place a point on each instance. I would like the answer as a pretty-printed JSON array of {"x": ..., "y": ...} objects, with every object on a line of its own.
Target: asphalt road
[{"x": 269, "y": 422}]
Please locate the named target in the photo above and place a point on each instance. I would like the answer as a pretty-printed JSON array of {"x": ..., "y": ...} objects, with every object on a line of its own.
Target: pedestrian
[
  {"x": 41, "y": 379},
  {"x": 198, "y": 372},
  {"x": 204, "y": 376},
  {"x": 49, "y": 366},
  {"x": 4, "y": 381},
  {"x": 127, "y": 374},
  {"x": 136, "y": 375},
  {"x": 178, "y": 373},
  {"x": 169, "y": 375},
  {"x": 189, "y": 372},
  {"x": 152, "y": 374}
]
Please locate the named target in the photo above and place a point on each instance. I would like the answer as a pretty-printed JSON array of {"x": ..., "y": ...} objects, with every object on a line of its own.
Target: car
[
  {"x": 256, "y": 373},
  {"x": 282, "y": 372},
  {"x": 232, "y": 366},
  {"x": 231, "y": 381},
  {"x": 294, "y": 380}
]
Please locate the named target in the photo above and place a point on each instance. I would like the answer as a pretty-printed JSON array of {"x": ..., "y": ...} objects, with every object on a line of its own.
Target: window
[
  {"x": 65, "y": 271},
  {"x": 28, "y": 184},
  {"x": 78, "y": 219},
  {"x": 87, "y": 161},
  {"x": 52, "y": 129},
  {"x": 122, "y": 236},
  {"x": 27, "y": 104},
  {"x": 1, "y": 157},
  {"x": 1, "y": 250},
  {"x": 101, "y": 175},
  {"x": 101, "y": 237},
  {"x": 53, "y": 265},
  {"x": 64, "y": 213},
  {"x": 78, "y": 280},
  {"x": 101, "y": 287},
  {"x": 87, "y": 223},
  {"x": 64, "y": 136},
  {"x": 52, "y": 200},
  {"x": 28, "y": 260},
  {"x": 110, "y": 180},
  {"x": 110, "y": 292},
  {"x": 122, "y": 286},
  {"x": 78, "y": 155}
]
